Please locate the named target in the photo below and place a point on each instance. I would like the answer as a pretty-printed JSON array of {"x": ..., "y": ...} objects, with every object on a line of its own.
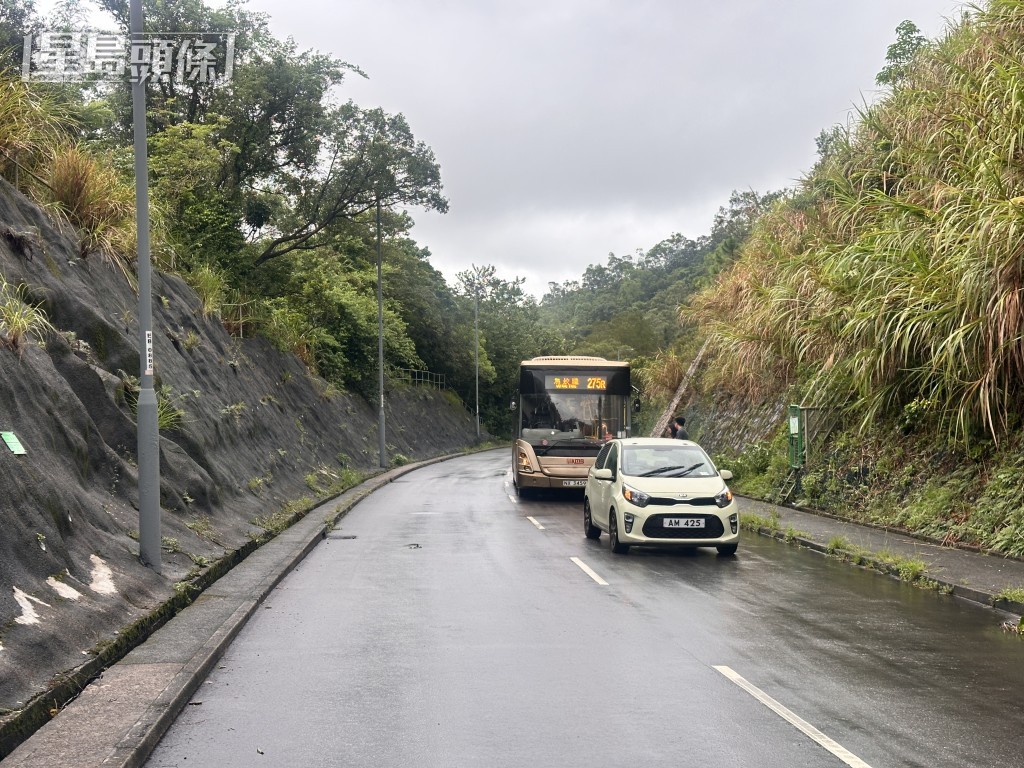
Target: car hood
[{"x": 673, "y": 486}]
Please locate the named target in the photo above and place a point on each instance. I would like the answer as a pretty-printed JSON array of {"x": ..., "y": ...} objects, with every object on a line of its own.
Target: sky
[{"x": 570, "y": 129}]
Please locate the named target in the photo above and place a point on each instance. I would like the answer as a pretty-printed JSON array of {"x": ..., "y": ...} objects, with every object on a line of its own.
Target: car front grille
[
  {"x": 654, "y": 527},
  {"x": 698, "y": 501}
]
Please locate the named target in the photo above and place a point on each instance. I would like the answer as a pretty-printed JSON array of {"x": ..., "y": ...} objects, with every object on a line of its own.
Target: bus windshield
[
  {"x": 554, "y": 416},
  {"x": 578, "y": 402}
]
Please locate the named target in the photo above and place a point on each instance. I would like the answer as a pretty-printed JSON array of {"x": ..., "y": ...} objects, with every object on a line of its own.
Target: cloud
[{"x": 566, "y": 129}]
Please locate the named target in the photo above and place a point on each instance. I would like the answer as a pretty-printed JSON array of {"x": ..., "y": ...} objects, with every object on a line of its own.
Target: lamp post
[
  {"x": 476, "y": 351},
  {"x": 148, "y": 435},
  {"x": 383, "y": 449}
]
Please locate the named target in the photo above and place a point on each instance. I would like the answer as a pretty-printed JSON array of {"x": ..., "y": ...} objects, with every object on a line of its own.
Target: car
[{"x": 659, "y": 492}]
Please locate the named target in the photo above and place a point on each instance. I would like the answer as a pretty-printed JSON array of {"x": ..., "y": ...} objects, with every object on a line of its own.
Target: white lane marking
[
  {"x": 534, "y": 521},
  {"x": 589, "y": 571},
  {"x": 793, "y": 719}
]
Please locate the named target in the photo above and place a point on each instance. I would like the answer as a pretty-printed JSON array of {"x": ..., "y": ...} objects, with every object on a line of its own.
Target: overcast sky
[{"x": 568, "y": 129}]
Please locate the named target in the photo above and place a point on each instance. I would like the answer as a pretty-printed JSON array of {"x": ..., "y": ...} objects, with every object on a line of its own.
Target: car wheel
[
  {"x": 589, "y": 529},
  {"x": 727, "y": 549},
  {"x": 613, "y": 536}
]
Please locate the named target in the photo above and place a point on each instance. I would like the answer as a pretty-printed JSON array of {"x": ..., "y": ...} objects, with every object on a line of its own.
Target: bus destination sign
[{"x": 576, "y": 383}]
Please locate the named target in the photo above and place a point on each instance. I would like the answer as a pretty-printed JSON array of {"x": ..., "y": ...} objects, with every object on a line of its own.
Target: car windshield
[{"x": 666, "y": 461}]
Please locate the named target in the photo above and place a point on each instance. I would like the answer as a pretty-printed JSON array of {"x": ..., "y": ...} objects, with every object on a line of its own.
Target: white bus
[{"x": 567, "y": 408}]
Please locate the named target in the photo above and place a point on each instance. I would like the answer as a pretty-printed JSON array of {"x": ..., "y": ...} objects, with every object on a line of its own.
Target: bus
[{"x": 568, "y": 407}]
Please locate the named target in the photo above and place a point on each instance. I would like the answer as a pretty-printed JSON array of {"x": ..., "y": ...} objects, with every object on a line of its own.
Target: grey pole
[
  {"x": 476, "y": 352},
  {"x": 146, "y": 411},
  {"x": 380, "y": 348}
]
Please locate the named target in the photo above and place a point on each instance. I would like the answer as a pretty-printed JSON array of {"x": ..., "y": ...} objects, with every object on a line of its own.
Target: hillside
[
  {"x": 885, "y": 294},
  {"x": 251, "y": 438}
]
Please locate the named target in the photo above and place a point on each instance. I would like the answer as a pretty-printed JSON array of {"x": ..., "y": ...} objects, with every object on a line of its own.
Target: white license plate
[
  {"x": 684, "y": 522},
  {"x": 573, "y": 483}
]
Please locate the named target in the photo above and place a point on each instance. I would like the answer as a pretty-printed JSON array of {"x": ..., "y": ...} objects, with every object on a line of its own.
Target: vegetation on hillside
[{"x": 887, "y": 288}]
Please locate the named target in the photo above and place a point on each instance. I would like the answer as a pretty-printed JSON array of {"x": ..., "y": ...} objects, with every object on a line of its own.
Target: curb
[{"x": 868, "y": 562}]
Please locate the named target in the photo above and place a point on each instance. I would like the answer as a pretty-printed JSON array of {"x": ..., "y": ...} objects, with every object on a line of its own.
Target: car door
[{"x": 602, "y": 501}]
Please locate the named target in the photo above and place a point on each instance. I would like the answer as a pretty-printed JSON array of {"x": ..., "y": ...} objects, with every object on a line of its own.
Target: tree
[
  {"x": 17, "y": 19},
  {"x": 909, "y": 41},
  {"x": 371, "y": 158},
  {"x": 510, "y": 332}
]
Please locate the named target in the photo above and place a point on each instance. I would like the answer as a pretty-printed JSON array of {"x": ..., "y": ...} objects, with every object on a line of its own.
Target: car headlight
[
  {"x": 724, "y": 499},
  {"x": 633, "y": 496}
]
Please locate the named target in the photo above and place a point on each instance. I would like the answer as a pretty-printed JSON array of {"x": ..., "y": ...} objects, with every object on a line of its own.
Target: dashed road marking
[
  {"x": 589, "y": 571},
  {"x": 793, "y": 719},
  {"x": 534, "y": 521}
]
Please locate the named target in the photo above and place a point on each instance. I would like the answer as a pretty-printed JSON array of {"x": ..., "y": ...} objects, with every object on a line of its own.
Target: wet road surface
[{"x": 447, "y": 623}]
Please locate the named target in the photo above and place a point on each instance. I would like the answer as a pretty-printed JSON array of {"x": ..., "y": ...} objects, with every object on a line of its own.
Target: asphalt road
[{"x": 446, "y": 623}]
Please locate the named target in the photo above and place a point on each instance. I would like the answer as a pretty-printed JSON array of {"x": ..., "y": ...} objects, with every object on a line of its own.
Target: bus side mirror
[
  {"x": 512, "y": 405},
  {"x": 636, "y": 405}
]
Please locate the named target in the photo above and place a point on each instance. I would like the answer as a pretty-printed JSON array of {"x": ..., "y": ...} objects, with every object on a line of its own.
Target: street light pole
[
  {"x": 383, "y": 448},
  {"x": 148, "y": 435},
  {"x": 476, "y": 352}
]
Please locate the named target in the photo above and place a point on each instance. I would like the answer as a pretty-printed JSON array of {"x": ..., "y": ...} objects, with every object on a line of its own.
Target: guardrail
[{"x": 420, "y": 378}]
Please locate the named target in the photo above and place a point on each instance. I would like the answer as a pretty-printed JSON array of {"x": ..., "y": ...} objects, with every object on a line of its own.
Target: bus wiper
[
  {"x": 688, "y": 470},
  {"x": 659, "y": 470},
  {"x": 542, "y": 450}
]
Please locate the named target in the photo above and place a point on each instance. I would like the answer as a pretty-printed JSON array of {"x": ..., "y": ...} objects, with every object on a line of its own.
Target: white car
[{"x": 659, "y": 492}]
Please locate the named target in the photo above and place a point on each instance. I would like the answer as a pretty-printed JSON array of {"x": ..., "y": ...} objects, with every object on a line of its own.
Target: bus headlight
[
  {"x": 524, "y": 462},
  {"x": 633, "y": 496}
]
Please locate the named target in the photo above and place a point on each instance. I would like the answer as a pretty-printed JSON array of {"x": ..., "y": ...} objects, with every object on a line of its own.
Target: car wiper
[
  {"x": 688, "y": 470},
  {"x": 659, "y": 470}
]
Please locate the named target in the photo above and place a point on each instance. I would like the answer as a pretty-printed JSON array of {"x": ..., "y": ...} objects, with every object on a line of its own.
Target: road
[{"x": 447, "y": 623}]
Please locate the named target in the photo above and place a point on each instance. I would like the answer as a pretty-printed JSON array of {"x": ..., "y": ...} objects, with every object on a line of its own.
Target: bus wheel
[
  {"x": 521, "y": 492},
  {"x": 613, "y": 536},
  {"x": 589, "y": 529}
]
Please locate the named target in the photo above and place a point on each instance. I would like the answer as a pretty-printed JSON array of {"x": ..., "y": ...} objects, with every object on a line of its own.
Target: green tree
[
  {"x": 510, "y": 332},
  {"x": 898, "y": 56},
  {"x": 373, "y": 159},
  {"x": 17, "y": 19}
]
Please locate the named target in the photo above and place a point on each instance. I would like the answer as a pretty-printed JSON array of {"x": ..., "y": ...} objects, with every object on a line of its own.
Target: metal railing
[{"x": 420, "y": 378}]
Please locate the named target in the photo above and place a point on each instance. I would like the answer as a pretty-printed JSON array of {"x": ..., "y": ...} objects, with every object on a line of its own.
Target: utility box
[{"x": 797, "y": 449}]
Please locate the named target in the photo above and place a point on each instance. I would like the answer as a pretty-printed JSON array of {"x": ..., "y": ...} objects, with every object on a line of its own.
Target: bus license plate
[
  {"x": 573, "y": 483},
  {"x": 684, "y": 522}
]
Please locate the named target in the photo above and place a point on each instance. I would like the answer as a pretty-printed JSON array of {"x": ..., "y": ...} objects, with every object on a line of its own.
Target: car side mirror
[
  {"x": 604, "y": 474},
  {"x": 725, "y": 473}
]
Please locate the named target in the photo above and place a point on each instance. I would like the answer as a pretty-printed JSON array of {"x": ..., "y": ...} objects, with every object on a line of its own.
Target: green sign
[{"x": 13, "y": 442}]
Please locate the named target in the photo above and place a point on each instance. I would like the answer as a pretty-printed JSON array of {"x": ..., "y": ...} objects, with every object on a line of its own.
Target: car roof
[{"x": 653, "y": 441}]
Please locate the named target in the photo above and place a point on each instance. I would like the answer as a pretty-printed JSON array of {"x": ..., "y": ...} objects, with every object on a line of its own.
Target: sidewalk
[
  {"x": 971, "y": 575},
  {"x": 120, "y": 717}
]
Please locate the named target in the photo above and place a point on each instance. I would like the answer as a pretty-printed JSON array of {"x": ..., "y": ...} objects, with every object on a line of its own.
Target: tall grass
[
  {"x": 31, "y": 127},
  {"x": 19, "y": 318},
  {"x": 895, "y": 274},
  {"x": 90, "y": 193}
]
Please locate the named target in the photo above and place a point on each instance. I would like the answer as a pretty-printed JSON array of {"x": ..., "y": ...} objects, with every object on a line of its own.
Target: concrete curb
[
  {"x": 139, "y": 720},
  {"x": 866, "y": 561}
]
